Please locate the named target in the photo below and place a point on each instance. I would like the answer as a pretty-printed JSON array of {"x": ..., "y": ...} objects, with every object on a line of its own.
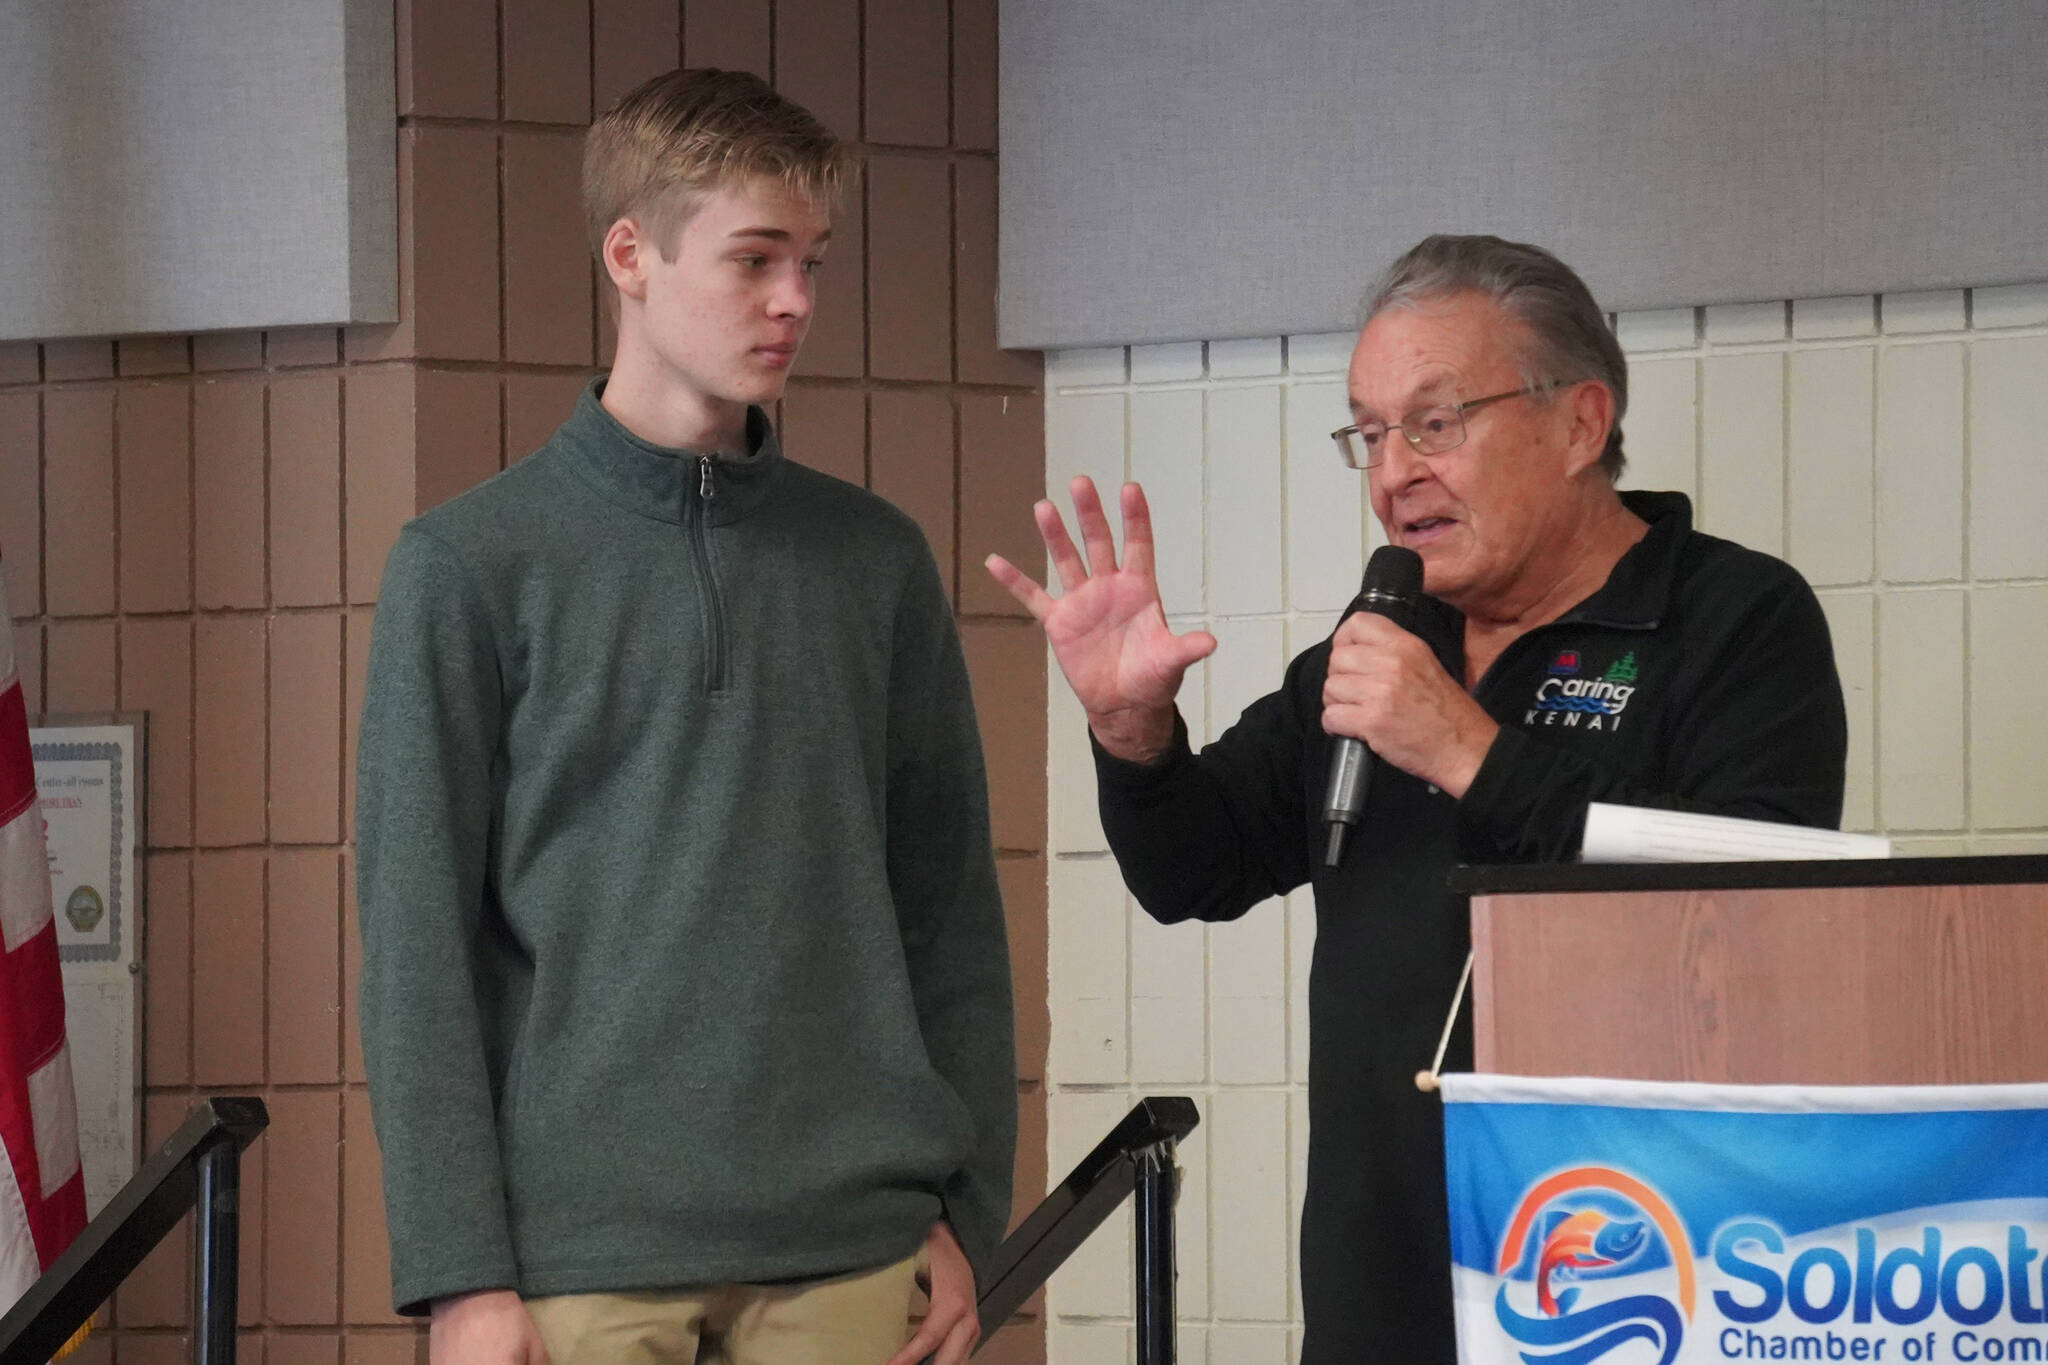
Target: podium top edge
[{"x": 1524, "y": 878}]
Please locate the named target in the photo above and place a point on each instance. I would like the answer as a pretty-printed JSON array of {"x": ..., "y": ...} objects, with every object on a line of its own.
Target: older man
[{"x": 1486, "y": 393}]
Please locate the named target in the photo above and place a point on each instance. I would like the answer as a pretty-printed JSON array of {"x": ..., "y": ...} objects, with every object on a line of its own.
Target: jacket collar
[
  {"x": 1638, "y": 591},
  {"x": 664, "y": 482},
  {"x": 1634, "y": 597}
]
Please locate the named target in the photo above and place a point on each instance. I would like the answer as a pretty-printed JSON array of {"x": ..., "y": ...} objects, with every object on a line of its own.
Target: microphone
[{"x": 1392, "y": 582}]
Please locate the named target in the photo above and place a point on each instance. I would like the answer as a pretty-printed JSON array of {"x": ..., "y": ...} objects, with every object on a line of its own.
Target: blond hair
[{"x": 656, "y": 153}]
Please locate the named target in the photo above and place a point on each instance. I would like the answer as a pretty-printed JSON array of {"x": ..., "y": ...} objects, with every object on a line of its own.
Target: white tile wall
[
  {"x": 1895, "y": 449},
  {"x": 1920, "y": 445},
  {"x": 1191, "y": 1218},
  {"x": 1922, "y": 653},
  {"x": 1075, "y": 825},
  {"x": 2012, "y": 305},
  {"x": 1855, "y": 316},
  {"x": 1169, "y": 998},
  {"x": 1852, "y": 629},
  {"x": 1244, "y": 560},
  {"x": 1301, "y": 944},
  {"x": 1077, "y": 369},
  {"x": 1249, "y": 1268},
  {"x": 1248, "y": 998},
  {"x": 1326, "y": 505},
  {"x": 2008, "y": 478},
  {"x": 1194, "y": 694},
  {"x": 2008, "y": 723},
  {"x": 1736, "y": 322},
  {"x": 1664, "y": 329},
  {"x": 1828, "y": 499},
  {"x": 1941, "y": 310},
  {"x": 1255, "y": 359},
  {"x": 1742, "y": 447},
  {"x": 1166, "y": 461},
  {"x": 1248, "y": 1345},
  {"x": 1662, "y": 398},
  {"x": 1096, "y": 1281},
  {"x": 1162, "y": 363},
  {"x": 1250, "y": 656},
  {"x": 1088, "y": 955},
  {"x": 1320, "y": 353}
]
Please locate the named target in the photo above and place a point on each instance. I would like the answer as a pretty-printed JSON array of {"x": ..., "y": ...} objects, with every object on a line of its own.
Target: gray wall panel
[
  {"x": 188, "y": 165},
  {"x": 1180, "y": 170}
]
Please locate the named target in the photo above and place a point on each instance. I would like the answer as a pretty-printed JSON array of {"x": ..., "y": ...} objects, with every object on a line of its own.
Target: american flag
[{"x": 42, "y": 1188}]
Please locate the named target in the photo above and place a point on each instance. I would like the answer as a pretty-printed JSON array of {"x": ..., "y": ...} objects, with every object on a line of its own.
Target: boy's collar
[{"x": 663, "y": 481}]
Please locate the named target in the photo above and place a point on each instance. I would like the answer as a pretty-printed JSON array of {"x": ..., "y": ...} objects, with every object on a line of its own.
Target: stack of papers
[{"x": 1632, "y": 834}]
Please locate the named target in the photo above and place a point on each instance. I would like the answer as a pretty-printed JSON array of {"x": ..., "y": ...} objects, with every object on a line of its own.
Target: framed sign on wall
[{"x": 89, "y": 784}]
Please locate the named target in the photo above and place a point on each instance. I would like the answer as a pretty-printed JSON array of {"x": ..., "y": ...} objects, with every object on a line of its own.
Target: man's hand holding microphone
[{"x": 1385, "y": 689}]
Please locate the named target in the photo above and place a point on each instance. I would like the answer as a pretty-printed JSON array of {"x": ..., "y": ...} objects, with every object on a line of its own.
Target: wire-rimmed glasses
[{"x": 1431, "y": 430}]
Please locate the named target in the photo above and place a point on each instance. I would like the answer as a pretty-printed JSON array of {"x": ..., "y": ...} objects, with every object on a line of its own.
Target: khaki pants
[{"x": 857, "y": 1319}]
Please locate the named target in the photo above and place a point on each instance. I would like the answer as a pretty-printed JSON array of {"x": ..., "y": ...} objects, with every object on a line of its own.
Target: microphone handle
[
  {"x": 1351, "y": 761},
  {"x": 1344, "y": 800}
]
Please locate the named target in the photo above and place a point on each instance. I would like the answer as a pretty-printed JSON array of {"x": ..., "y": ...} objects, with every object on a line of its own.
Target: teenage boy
[{"x": 685, "y": 996}]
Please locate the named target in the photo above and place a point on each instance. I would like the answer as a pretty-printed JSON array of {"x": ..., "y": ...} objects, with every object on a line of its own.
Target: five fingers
[{"x": 1100, "y": 545}]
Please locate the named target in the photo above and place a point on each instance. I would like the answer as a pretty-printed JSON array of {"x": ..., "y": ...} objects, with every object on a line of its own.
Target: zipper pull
[{"x": 704, "y": 488}]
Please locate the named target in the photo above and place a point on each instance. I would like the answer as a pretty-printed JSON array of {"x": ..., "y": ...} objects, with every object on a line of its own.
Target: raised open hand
[{"x": 1107, "y": 628}]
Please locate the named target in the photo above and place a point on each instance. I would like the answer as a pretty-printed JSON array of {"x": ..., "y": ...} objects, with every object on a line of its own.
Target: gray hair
[{"x": 1571, "y": 341}]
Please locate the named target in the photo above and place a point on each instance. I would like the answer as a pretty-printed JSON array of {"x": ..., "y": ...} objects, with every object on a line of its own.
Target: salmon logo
[
  {"x": 1584, "y": 1240},
  {"x": 1571, "y": 1232}
]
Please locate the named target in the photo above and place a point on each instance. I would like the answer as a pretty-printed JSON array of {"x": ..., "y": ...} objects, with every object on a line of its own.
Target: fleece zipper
[{"x": 697, "y": 529}]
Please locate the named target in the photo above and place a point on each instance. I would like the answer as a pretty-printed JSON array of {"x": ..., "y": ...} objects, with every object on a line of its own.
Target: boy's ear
[{"x": 622, "y": 253}]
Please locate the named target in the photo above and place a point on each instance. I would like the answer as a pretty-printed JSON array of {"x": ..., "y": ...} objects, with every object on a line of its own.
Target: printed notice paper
[{"x": 1632, "y": 834}]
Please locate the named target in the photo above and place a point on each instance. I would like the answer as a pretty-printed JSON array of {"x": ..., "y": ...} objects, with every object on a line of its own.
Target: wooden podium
[{"x": 1901, "y": 971}]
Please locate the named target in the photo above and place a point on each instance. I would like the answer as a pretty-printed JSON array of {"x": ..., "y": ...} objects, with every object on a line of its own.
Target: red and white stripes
[{"x": 42, "y": 1189}]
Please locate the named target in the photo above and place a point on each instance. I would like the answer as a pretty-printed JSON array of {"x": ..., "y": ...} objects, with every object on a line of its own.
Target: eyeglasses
[{"x": 1431, "y": 430}]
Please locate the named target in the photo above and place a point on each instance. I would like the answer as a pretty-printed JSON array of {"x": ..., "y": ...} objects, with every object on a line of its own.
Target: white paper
[{"x": 1633, "y": 834}]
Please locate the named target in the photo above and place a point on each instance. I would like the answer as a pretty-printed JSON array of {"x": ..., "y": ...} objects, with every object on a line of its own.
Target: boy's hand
[
  {"x": 951, "y": 1324},
  {"x": 488, "y": 1327}
]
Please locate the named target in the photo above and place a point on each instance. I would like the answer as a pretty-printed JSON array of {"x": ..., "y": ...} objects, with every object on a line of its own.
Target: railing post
[
  {"x": 1157, "y": 1181},
  {"x": 1133, "y": 1161},
  {"x": 215, "y": 1252},
  {"x": 194, "y": 1170}
]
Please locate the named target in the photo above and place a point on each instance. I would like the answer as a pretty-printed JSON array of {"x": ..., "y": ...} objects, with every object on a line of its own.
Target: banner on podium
[{"x": 1639, "y": 1223}]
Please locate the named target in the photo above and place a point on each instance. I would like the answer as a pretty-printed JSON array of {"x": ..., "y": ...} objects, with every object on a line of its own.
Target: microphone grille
[{"x": 1394, "y": 571}]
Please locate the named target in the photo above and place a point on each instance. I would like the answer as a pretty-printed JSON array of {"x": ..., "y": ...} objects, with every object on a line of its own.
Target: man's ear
[
  {"x": 1591, "y": 405},
  {"x": 622, "y": 253}
]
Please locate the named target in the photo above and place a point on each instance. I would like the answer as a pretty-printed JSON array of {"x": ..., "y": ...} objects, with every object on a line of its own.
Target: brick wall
[{"x": 194, "y": 526}]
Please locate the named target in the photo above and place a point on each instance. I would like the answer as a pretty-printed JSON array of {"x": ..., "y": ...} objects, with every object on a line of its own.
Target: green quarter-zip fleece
[{"x": 683, "y": 960}]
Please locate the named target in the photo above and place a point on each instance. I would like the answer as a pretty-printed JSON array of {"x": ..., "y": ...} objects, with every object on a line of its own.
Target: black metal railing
[
  {"x": 199, "y": 1167},
  {"x": 1137, "y": 1157}
]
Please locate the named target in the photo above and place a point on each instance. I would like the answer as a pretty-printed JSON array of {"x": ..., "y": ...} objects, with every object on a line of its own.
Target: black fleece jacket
[{"x": 1699, "y": 677}]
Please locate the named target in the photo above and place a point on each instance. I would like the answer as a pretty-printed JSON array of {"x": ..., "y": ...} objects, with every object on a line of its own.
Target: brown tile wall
[{"x": 194, "y": 526}]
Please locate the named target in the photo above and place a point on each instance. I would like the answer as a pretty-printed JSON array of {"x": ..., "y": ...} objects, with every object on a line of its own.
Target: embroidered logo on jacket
[{"x": 1564, "y": 698}]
